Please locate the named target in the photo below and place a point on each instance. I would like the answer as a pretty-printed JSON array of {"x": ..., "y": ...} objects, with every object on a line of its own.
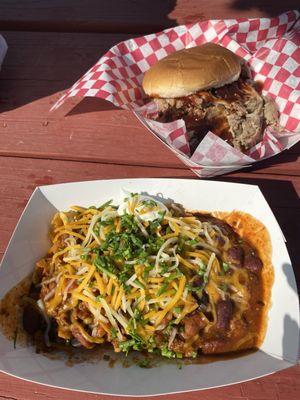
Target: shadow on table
[
  {"x": 49, "y": 47},
  {"x": 91, "y": 104},
  {"x": 288, "y": 156},
  {"x": 101, "y": 16},
  {"x": 49, "y": 54},
  {"x": 268, "y": 7}
]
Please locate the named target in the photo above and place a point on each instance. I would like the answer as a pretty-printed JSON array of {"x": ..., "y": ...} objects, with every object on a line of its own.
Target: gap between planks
[{"x": 255, "y": 169}]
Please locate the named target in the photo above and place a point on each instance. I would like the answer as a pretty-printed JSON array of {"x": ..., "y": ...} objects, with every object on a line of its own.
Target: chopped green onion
[
  {"x": 180, "y": 364},
  {"x": 173, "y": 276},
  {"x": 165, "y": 352},
  {"x": 192, "y": 242},
  {"x": 223, "y": 287},
  {"x": 202, "y": 265},
  {"x": 177, "y": 310},
  {"x": 15, "y": 338},
  {"x": 104, "y": 205},
  {"x": 139, "y": 284},
  {"x": 162, "y": 289},
  {"x": 225, "y": 266},
  {"x": 144, "y": 363},
  {"x": 161, "y": 215},
  {"x": 113, "y": 332},
  {"x": 150, "y": 203},
  {"x": 104, "y": 270}
]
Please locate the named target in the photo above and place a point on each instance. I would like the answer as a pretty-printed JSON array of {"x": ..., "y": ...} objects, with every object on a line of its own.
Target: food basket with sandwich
[{"x": 221, "y": 94}]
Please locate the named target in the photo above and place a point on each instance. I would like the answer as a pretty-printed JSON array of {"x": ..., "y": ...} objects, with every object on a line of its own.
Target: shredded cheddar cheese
[{"x": 133, "y": 275}]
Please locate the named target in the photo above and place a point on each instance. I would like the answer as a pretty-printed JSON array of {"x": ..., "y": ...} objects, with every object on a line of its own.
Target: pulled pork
[{"x": 236, "y": 112}]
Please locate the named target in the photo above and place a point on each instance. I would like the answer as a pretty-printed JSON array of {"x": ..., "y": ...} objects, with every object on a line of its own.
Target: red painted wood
[
  {"x": 32, "y": 132},
  {"x": 26, "y": 173},
  {"x": 125, "y": 15},
  {"x": 92, "y": 141},
  {"x": 284, "y": 385},
  {"x": 37, "y": 67}
]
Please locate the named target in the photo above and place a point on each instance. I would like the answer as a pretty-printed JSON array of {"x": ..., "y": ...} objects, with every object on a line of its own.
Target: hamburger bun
[{"x": 188, "y": 71}]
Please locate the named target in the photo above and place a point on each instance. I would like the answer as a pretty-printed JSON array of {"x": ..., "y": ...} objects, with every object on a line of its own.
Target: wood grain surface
[
  {"x": 129, "y": 16},
  {"x": 51, "y": 44},
  {"x": 284, "y": 385}
]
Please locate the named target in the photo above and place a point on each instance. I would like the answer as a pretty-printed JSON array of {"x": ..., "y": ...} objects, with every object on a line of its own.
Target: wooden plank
[
  {"x": 125, "y": 16},
  {"x": 188, "y": 11},
  {"x": 100, "y": 136},
  {"x": 281, "y": 386},
  {"x": 38, "y": 65},
  {"x": 25, "y": 174}
]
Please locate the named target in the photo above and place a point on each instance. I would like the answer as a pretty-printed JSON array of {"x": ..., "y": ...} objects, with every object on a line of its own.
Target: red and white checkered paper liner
[{"x": 271, "y": 48}]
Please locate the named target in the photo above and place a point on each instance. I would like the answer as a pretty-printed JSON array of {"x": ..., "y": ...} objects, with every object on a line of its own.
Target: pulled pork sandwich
[{"x": 207, "y": 86}]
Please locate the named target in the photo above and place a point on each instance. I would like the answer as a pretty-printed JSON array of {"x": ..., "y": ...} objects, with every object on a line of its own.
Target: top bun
[{"x": 187, "y": 71}]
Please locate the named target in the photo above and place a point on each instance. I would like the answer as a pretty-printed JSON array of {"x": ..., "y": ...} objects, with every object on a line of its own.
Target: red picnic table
[{"x": 51, "y": 44}]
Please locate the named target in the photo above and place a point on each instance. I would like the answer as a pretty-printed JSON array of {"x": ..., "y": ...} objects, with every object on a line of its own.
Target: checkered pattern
[
  {"x": 214, "y": 152},
  {"x": 271, "y": 47}
]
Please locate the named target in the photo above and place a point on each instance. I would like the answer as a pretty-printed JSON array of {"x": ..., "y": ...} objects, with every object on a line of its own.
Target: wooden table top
[{"x": 93, "y": 140}]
